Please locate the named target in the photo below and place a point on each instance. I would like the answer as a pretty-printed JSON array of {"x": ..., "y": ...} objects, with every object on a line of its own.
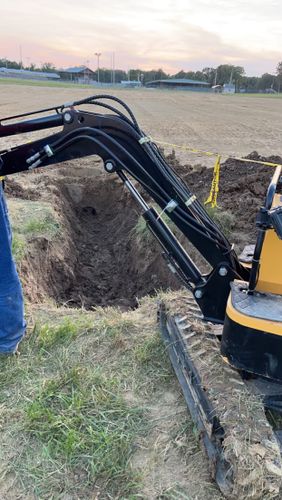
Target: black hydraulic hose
[
  {"x": 203, "y": 214},
  {"x": 256, "y": 261},
  {"x": 116, "y": 143},
  {"x": 91, "y": 130},
  {"x": 112, "y": 98},
  {"x": 96, "y": 141},
  {"x": 196, "y": 208},
  {"x": 117, "y": 111},
  {"x": 177, "y": 181}
]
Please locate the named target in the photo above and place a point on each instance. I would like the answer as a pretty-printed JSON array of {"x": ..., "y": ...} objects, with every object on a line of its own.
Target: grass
[
  {"x": 84, "y": 421},
  {"x": 68, "y": 409},
  {"x": 258, "y": 94},
  {"x": 45, "y": 224},
  {"x": 48, "y": 335},
  {"x": 33, "y": 218},
  {"x": 223, "y": 218},
  {"x": 87, "y": 395},
  {"x": 30, "y": 219},
  {"x": 18, "y": 247},
  {"x": 38, "y": 83}
]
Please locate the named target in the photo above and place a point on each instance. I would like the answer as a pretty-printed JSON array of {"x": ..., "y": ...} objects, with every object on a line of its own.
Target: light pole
[{"x": 98, "y": 54}]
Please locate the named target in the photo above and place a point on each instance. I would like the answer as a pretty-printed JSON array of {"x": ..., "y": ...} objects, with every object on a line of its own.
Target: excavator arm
[{"x": 128, "y": 153}]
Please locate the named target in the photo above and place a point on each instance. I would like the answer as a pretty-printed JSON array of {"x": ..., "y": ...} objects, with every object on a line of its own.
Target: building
[
  {"x": 179, "y": 83},
  {"x": 25, "y": 74},
  {"x": 78, "y": 74}
]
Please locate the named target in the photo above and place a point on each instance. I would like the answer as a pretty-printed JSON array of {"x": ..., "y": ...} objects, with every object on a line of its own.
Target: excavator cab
[{"x": 252, "y": 332}]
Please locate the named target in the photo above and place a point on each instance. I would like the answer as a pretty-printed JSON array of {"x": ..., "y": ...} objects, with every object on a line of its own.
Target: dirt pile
[{"x": 242, "y": 188}]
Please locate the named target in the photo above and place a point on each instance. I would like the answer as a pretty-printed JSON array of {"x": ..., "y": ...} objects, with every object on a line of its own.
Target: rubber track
[{"x": 243, "y": 452}]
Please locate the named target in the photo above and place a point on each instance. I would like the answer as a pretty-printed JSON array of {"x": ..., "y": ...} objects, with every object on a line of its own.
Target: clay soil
[
  {"x": 99, "y": 259},
  {"x": 242, "y": 190}
]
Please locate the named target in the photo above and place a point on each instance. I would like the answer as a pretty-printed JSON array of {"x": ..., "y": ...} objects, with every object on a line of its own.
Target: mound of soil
[{"x": 242, "y": 187}]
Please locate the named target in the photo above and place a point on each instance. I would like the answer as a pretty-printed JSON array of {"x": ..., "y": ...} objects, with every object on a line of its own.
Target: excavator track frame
[{"x": 178, "y": 327}]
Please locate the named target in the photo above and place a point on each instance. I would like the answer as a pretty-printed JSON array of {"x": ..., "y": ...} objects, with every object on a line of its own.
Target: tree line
[{"x": 224, "y": 73}]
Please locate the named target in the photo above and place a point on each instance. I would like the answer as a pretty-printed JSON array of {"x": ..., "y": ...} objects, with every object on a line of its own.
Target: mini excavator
[{"x": 238, "y": 303}]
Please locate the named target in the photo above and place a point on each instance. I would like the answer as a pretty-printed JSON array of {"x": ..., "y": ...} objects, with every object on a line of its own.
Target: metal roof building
[
  {"x": 179, "y": 83},
  {"x": 26, "y": 74},
  {"x": 80, "y": 74}
]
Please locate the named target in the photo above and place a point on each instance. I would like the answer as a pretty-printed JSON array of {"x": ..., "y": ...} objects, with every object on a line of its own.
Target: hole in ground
[{"x": 107, "y": 263}]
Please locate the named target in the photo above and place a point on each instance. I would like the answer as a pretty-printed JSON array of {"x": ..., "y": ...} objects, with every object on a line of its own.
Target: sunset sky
[{"x": 174, "y": 35}]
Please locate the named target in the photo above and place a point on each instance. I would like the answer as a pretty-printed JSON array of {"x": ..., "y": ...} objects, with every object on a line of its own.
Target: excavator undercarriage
[
  {"x": 224, "y": 332},
  {"x": 228, "y": 411}
]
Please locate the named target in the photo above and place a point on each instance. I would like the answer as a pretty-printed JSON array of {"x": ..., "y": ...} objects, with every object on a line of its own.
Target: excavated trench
[
  {"x": 111, "y": 267},
  {"x": 98, "y": 259}
]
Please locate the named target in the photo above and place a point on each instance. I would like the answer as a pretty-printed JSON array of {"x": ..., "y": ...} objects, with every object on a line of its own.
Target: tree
[
  {"x": 48, "y": 67},
  {"x": 210, "y": 75},
  {"x": 267, "y": 81},
  {"x": 180, "y": 74},
  {"x": 279, "y": 74},
  {"x": 228, "y": 72},
  {"x": 31, "y": 67},
  {"x": 9, "y": 64}
]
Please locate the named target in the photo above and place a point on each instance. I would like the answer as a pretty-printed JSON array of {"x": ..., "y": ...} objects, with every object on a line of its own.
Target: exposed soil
[
  {"x": 242, "y": 190},
  {"x": 98, "y": 260}
]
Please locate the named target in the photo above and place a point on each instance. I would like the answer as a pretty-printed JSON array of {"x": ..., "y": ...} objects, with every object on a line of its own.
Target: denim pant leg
[{"x": 12, "y": 324}]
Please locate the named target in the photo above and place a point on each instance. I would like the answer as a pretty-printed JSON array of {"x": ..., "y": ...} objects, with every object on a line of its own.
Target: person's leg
[{"x": 12, "y": 323}]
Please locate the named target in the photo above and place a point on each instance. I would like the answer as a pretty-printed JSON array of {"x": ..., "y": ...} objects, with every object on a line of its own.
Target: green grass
[
  {"x": 84, "y": 421},
  {"x": 30, "y": 219},
  {"x": 38, "y": 83},
  {"x": 48, "y": 335},
  {"x": 68, "y": 410},
  {"x": 18, "y": 247},
  {"x": 44, "y": 224},
  {"x": 87, "y": 394},
  {"x": 258, "y": 94},
  {"x": 33, "y": 218},
  {"x": 223, "y": 218}
]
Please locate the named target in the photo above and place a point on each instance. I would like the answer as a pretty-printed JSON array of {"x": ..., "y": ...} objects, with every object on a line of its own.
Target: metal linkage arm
[{"x": 118, "y": 140}]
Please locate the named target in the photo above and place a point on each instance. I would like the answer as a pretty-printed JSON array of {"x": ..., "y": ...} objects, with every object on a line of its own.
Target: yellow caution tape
[
  {"x": 213, "y": 153},
  {"x": 212, "y": 198},
  {"x": 185, "y": 148},
  {"x": 266, "y": 163}
]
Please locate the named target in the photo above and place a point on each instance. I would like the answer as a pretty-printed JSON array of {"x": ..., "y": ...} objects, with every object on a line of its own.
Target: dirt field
[
  {"x": 227, "y": 124},
  {"x": 92, "y": 399}
]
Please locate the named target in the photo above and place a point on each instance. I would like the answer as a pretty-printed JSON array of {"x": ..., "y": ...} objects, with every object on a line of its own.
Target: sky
[{"x": 174, "y": 35}]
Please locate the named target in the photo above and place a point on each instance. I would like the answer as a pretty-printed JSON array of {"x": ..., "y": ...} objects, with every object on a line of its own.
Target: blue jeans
[{"x": 12, "y": 323}]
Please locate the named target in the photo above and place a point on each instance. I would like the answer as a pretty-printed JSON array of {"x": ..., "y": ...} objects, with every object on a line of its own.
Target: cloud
[{"x": 179, "y": 34}]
